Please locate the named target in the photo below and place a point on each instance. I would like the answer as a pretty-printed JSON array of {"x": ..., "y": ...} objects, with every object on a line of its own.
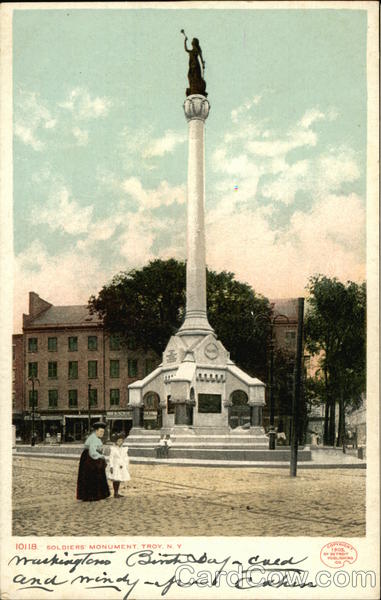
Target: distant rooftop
[
  {"x": 43, "y": 313},
  {"x": 65, "y": 315},
  {"x": 285, "y": 306}
]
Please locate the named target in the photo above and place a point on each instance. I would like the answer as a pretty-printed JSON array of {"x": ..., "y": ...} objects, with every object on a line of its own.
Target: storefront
[
  {"x": 117, "y": 421},
  {"x": 52, "y": 425},
  {"x": 32, "y": 427},
  {"x": 18, "y": 422},
  {"x": 76, "y": 427}
]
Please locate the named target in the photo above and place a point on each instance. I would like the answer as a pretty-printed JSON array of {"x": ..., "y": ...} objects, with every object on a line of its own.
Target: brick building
[
  {"x": 72, "y": 370},
  {"x": 18, "y": 382}
]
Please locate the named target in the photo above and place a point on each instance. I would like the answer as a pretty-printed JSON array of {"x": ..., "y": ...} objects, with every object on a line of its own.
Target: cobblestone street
[{"x": 190, "y": 501}]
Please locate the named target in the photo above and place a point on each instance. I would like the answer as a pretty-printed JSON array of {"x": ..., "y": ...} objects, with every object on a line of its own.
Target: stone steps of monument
[
  {"x": 211, "y": 439},
  {"x": 197, "y": 444},
  {"x": 224, "y": 454}
]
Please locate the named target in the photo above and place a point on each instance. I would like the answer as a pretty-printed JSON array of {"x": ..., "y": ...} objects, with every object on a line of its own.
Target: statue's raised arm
[
  {"x": 185, "y": 41},
  {"x": 197, "y": 83}
]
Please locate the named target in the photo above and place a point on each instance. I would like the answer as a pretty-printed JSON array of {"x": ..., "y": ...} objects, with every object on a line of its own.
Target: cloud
[
  {"x": 122, "y": 240},
  {"x": 32, "y": 118},
  {"x": 244, "y": 108},
  {"x": 318, "y": 176},
  {"x": 66, "y": 278},
  {"x": 34, "y": 121},
  {"x": 141, "y": 149},
  {"x": 163, "y": 195},
  {"x": 165, "y": 144},
  {"x": 329, "y": 239},
  {"x": 254, "y": 165},
  {"x": 63, "y": 213},
  {"x": 259, "y": 159},
  {"x": 81, "y": 135},
  {"x": 83, "y": 106},
  {"x": 280, "y": 147}
]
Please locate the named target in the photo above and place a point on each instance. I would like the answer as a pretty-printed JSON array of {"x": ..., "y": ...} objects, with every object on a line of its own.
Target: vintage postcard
[{"x": 189, "y": 300}]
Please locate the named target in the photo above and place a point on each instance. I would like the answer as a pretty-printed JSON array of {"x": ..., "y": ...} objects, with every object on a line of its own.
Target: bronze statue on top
[{"x": 196, "y": 80}]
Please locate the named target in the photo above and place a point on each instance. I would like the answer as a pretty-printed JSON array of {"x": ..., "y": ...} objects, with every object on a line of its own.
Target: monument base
[{"x": 195, "y": 392}]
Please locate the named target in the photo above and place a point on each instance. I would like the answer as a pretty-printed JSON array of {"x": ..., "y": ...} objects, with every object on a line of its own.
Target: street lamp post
[
  {"x": 272, "y": 321},
  {"x": 89, "y": 409},
  {"x": 33, "y": 379}
]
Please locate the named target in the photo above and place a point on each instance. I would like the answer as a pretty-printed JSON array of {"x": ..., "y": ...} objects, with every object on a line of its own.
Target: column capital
[{"x": 197, "y": 107}]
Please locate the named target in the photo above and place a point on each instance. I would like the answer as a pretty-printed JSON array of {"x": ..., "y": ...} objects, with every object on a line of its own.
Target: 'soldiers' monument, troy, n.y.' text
[{"x": 195, "y": 385}]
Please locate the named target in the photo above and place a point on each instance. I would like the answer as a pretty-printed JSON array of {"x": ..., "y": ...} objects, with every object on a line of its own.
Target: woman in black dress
[{"x": 92, "y": 483}]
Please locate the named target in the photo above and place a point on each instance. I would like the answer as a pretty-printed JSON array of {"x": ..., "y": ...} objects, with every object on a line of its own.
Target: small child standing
[{"x": 117, "y": 468}]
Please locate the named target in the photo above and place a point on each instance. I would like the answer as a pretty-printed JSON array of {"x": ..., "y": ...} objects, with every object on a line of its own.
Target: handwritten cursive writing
[{"x": 161, "y": 571}]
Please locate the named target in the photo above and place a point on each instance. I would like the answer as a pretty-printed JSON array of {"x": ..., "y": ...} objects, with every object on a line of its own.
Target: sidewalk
[{"x": 322, "y": 458}]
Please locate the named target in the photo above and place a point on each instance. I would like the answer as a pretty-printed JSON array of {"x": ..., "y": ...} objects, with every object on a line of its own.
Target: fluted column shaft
[{"x": 196, "y": 110}]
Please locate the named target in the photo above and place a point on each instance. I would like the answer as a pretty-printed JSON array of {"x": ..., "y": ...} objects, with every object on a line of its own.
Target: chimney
[{"x": 37, "y": 305}]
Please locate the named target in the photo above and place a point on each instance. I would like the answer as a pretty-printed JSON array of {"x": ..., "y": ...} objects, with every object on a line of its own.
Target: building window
[
  {"x": 290, "y": 336},
  {"x": 32, "y": 369},
  {"x": 52, "y": 370},
  {"x": 114, "y": 368},
  {"x": 132, "y": 367},
  {"x": 131, "y": 344},
  {"x": 73, "y": 344},
  {"x": 32, "y": 345},
  {"x": 93, "y": 397},
  {"x": 209, "y": 403},
  {"x": 150, "y": 365},
  {"x": 92, "y": 369},
  {"x": 73, "y": 369},
  {"x": 13, "y": 352},
  {"x": 53, "y": 398},
  {"x": 73, "y": 398},
  {"x": 92, "y": 342},
  {"x": 114, "y": 343},
  {"x": 114, "y": 397},
  {"x": 52, "y": 344},
  {"x": 13, "y": 375},
  {"x": 33, "y": 398},
  {"x": 170, "y": 406}
]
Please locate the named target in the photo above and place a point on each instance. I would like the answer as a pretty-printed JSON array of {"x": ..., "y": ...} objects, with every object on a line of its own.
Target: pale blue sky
[{"x": 100, "y": 154}]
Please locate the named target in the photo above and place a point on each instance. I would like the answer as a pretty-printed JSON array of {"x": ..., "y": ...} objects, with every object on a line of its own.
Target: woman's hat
[{"x": 99, "y": 425}]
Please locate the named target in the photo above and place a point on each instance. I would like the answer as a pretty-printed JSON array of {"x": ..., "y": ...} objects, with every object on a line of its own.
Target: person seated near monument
[
  {"x": 160, "y": 448},
  {"x": 167, "y": 445},
  {"x": 281, "y": 438}
]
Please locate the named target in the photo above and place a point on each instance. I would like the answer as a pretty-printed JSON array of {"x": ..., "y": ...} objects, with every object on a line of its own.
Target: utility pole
[
  {"x": 297, "y": 391},
  {"x": 33, "y": 379}
]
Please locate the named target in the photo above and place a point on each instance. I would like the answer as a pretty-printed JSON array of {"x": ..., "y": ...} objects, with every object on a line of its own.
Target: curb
[{"x": 173, "y": 462}]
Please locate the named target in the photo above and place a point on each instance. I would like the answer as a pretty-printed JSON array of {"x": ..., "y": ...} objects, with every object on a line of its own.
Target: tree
[
  {"x": 147, "y": 306},
  {"x": 335, "y": 331}
]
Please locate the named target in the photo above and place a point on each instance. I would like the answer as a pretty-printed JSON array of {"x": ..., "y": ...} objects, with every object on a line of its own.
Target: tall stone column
[{"x": 196, "y": 108}]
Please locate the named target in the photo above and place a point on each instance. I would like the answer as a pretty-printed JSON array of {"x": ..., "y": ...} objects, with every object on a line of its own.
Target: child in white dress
[{"x": 117, "y": 468}]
